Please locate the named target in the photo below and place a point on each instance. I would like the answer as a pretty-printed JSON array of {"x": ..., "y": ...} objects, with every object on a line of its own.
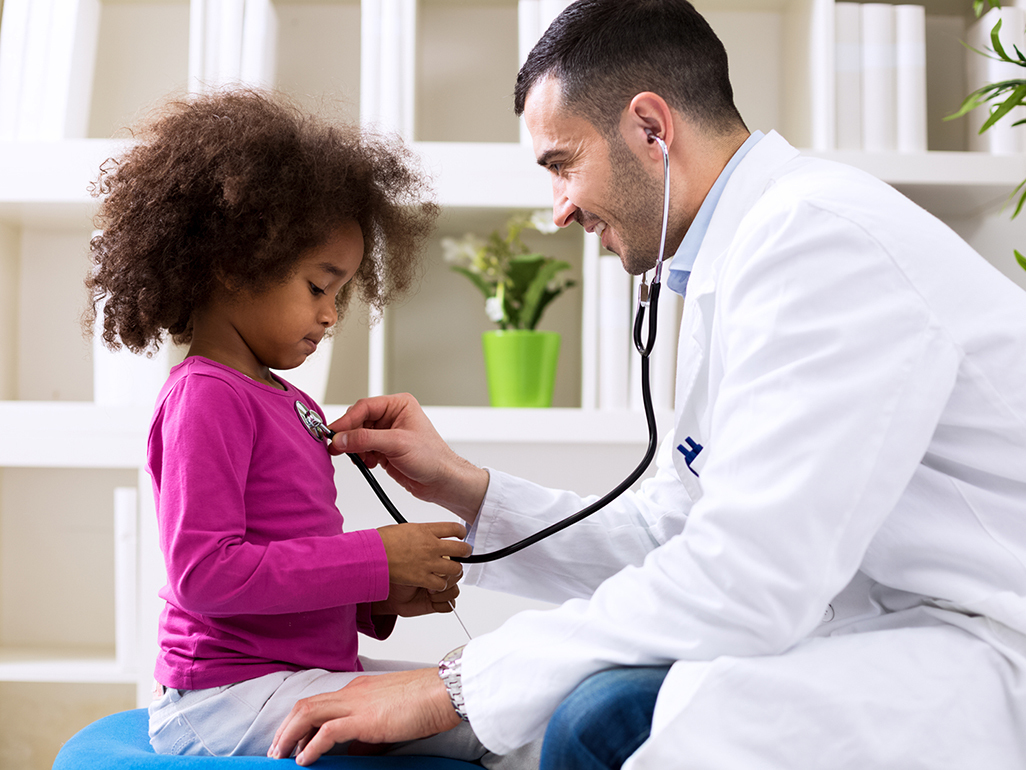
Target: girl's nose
[{"x": 328, "y": 316}]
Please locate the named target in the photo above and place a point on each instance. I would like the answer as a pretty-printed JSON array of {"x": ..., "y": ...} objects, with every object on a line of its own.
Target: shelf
[
  {"x": 66, "y": 434},
  {"x": 47, "y": 182},
  {"x": 548, "y": 426},
  {"x": 485, "y": 174},
  {"x": 944, "y": 183},
  {"x": 66, "y": 665},
  {"x": 35, "y": 434}
]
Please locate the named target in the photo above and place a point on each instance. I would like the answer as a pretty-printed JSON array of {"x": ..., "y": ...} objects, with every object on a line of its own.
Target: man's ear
[{"x": 648, "y": 115}]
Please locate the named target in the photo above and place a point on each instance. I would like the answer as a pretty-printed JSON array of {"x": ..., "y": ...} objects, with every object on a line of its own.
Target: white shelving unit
[{"x": 436, "y": 71}]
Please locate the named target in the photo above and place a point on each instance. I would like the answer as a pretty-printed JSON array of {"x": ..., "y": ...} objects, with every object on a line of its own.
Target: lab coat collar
[
  {"x": 683, "y": 262},
  {"x": 746, "y": 185}
]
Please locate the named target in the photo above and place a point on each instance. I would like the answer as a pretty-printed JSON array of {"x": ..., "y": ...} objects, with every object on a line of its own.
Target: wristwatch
[{"x": 449, "y": 669}]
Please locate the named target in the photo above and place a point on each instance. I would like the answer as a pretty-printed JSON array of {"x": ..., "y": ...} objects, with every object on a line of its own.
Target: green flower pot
[{"x": 521, "y": 366}]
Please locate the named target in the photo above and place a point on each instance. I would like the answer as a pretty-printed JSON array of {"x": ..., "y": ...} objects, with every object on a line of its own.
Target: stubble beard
[{"x": 637, "y": 198}]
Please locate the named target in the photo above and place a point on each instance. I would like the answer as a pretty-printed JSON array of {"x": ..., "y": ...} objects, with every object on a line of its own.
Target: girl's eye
[{"x": 314, "y": 289}]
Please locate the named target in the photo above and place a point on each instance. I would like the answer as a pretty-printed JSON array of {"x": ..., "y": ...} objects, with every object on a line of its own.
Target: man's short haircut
[{"x": 604, "y": 52}]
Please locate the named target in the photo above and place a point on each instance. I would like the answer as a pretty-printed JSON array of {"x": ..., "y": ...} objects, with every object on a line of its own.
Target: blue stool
[{"x": 121, "y": 742}]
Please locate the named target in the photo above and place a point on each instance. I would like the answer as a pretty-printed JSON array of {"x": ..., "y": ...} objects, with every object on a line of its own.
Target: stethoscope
[{"x": 648, "y": 298}]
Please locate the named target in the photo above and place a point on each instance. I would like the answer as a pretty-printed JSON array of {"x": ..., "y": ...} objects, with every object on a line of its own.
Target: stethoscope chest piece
[{"x": 312, "y": 422}]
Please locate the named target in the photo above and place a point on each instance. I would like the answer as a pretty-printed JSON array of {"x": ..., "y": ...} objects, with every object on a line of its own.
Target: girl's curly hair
[{"x": 233, "y": 187}]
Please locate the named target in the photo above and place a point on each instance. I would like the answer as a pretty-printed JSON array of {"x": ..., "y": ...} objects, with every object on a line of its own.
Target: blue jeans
[{"x": 604, "y": 720}]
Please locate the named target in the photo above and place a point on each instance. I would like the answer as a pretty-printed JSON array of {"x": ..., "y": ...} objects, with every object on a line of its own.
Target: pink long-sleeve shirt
[{"x": 261, "y": 576}]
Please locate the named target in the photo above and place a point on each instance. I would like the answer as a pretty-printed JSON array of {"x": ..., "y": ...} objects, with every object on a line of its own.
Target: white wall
[
  {"x": 54, "y": 359},
  {"x": 142, "y": 54}
]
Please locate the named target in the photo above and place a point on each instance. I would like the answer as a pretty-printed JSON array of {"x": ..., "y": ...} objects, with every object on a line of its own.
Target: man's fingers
[
  {"x": 298, "y": 729},
  {"x": 366, "y": 440},
  {"x": 323, "y": 740}
]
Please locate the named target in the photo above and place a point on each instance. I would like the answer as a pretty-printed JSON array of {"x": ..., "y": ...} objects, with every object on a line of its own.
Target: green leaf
[
  {"x": 546, "y": 298},
  {"x": 1014, "y": 100},
  {"x": 532, "y": 307},
  {"x": 979, "y": 6},
  {"x": 1022, "y": 198},
  {"x": 522, "y": 270},
  {"x": 995, "y": 40},
  {"x": 483, "y": 286},
  {"x": 1020, "y": 259}
]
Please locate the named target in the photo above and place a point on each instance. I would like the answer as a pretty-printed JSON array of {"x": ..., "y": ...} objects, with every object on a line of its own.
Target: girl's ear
[{"x": 229, "y": 283}]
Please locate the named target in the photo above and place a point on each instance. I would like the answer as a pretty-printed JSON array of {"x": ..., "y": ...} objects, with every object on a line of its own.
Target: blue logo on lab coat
[{"x": 690, "y": 452}]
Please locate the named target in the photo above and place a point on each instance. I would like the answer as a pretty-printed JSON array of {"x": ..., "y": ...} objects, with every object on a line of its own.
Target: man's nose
[{"x": 563, "y": 211}]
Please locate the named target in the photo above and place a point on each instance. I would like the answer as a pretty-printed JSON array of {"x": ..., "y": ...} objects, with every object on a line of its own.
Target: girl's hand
[
  {"x": 394, "y": 432},
  {"x": 419, "y": 555},
  {"x": 409, "y": 602}
]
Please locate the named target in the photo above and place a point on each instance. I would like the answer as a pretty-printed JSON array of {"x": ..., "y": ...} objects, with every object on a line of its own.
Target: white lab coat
[{"x": 855, "y": 376}]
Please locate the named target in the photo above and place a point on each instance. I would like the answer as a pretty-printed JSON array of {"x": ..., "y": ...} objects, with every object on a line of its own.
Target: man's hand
[
  {"x": 386, "y": 708},
  {"x": 394, "y": 432},
  {"x": 409, "y": 602}
]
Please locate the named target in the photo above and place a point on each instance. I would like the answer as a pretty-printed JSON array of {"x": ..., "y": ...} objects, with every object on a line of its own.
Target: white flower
[
  {"x": 542, "y": 221},
  {"x": 493, "y": 309},
  {"x": 461, "y": 250}
]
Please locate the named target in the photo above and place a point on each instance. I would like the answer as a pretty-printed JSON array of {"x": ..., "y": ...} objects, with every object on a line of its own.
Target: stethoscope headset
[{"x": 648, "y": 297}]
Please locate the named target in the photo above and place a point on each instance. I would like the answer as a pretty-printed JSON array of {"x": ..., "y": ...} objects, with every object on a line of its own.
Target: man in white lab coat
[{"x": 829, "y": 568}]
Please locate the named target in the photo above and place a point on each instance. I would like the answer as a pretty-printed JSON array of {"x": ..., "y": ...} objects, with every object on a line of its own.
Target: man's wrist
[
  {"x": 471, "y": 483},
  {"x": 450, "y": 671}
]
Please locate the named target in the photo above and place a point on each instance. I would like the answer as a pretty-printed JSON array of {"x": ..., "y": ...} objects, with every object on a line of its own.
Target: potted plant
[
  {"x": 1002, "y": 96},
  {"x": 518, "y": 285}
]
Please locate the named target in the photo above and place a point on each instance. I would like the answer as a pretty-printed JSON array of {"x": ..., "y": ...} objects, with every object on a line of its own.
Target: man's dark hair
[{"x": 604, "y": 52}]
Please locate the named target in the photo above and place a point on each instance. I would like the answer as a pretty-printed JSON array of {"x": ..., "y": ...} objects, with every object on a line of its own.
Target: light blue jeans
[{"x": 241, "y": 719}]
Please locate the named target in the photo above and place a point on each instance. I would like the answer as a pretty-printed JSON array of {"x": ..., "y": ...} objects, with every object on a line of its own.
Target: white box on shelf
[
  {"x": 126, "y": 564},
  {"x": 388, "y": 36},
  {"x": 534, "y": 17},
  {"x": 910, "y": 77},
  {"x": 231, "y": 41},
  {"x": 879, "y": 116},
  {"x": 1001, "y": 138},
  {"x": 123, "y": 378},
  {"x": 848, "y": 74},
  {"x": 47, "y": 58},
  {"x": 614, "y": 333}
]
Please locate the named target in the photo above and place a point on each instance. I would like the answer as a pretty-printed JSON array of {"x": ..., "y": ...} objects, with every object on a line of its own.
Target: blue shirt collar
[{"x": 684, "y": 259}]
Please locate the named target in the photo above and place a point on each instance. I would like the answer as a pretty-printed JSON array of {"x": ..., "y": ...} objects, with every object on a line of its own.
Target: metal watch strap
[{"x": 449, "y": 670}]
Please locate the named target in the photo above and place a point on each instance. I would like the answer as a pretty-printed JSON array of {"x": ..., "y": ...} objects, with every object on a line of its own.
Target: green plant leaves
[
  {"x": 510, "y": 277},
  {"x": 1003, "y": 95}
]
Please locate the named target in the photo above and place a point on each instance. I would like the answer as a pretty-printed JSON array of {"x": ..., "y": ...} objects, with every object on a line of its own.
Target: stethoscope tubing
[
  {"x": 644, "y": 347},
  {"x": 602, "y": 502}
]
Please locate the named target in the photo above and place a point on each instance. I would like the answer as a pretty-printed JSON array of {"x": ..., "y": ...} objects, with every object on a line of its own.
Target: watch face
[{"x": 312, "y": 422}]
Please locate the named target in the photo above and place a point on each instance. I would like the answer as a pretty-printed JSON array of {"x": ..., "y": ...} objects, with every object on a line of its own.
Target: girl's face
[{"x": 279, "y": 327}]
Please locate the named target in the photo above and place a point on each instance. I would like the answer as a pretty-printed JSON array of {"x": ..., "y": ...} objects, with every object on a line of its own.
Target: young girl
[{"x": 241, "y": 227}]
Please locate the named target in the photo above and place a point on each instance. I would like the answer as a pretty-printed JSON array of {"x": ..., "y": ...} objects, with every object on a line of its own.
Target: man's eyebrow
[{"x": 547, "y": 157}]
